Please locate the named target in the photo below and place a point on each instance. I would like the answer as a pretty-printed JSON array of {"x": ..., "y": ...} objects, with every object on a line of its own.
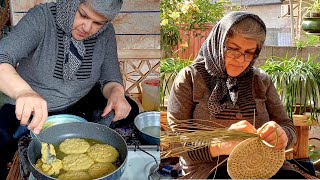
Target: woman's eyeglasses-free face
[{"x": 231, "y": 53}]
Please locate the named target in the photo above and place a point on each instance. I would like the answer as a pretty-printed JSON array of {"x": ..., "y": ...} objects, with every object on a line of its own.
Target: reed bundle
[{"x": 190, "y": 135}]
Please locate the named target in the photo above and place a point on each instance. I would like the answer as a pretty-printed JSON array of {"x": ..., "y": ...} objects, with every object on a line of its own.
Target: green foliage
[
  {"x": 297, "y": 82},
  {"x": 313, "y": 7},
  {"x": 314, "y": 154},
  {"x": 187, "y": 14},
  {"x": 169, "y": 68},
  {"x": 308, "y": 40}
]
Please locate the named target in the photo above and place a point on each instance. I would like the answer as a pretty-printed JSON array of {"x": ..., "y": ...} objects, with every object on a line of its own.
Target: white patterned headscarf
[
  {"x": 224, "y": 92},
  {"x": 66, "y": 11}
]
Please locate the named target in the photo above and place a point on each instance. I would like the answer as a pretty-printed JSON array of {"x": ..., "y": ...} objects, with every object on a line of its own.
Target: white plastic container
[{"x": 151, "y": 93}]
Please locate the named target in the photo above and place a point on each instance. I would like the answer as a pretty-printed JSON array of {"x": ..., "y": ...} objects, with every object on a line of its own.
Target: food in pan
[
  {"x": 74, "y": 146},
  {"x": 100, "y": 169},
  {"x": 103, "y": 153},
  {"x": 79, "y": 162},
  {"x": 75, "y": 175}
]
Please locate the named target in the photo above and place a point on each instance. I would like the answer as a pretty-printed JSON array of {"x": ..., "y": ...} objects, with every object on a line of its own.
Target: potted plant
[
  {"x": 179, "y": 17},
  {"x": 311, "y": 19},
  {"x": 297, "y": 82}
]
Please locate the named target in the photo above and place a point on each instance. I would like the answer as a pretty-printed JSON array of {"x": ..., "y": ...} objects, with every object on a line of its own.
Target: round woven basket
[{"x": 252, "y": 159}]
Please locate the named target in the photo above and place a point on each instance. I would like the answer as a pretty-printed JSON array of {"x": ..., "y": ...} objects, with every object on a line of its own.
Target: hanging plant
[
  {"x": 311, "y": 18},
  {"x": 297, "y": 82}
]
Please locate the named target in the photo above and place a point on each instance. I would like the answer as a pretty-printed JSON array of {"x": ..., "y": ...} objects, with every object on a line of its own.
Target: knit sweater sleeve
[
  {"x": 110, "y": 71},
  {"x": 24, "y": 37},
  {"x": 180, "y": 102},
  {"x": 181, "y": 106},
  {"x": 278, "y": 114}
]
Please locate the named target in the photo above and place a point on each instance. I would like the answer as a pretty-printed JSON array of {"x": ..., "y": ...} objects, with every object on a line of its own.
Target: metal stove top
[{"x": 139, "y": 163}]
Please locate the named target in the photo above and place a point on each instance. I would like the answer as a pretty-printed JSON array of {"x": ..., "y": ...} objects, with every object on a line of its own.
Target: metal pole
[
  {"x": 292, "y": 23},
  {"x": 299, "y": 19}
]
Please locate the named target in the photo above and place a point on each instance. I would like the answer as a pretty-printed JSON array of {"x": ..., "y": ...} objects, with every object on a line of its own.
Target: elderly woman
[
  {"x": 63, "y": 50},
  {"x": 222, "y": 86}
]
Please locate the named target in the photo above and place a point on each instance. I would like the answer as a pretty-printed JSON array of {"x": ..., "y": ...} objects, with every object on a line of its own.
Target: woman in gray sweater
[
  {"x": 222, "y": 86},
  {"x": 51, "y": 60}
]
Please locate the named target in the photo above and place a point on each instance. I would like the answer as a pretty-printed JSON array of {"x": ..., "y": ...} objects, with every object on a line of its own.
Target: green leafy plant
[
  {"x": 314, "y": 154},
  {"x": 169, "y": 68},
  {"x": 188, "y": 14},
  {"x": 312, "y": 8},
  {"x": 307, "y": 40},
  {"x": 297, "y": 82}
]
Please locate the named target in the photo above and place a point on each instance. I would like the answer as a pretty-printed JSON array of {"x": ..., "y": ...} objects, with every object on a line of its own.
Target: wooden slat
[
  {"x": 25, "y": 5},
  {"x": 141, "y": 5},
  {"x": 16, "y": 17},
  {"x": 301, "y": 146},
  {"x": 128, "y": 5},
  {"x": 303, "y": 120},
  {"x": 137, "y": 23},
  {"x": 138, "y": 41},
  {"x": 139, "y": 53}
]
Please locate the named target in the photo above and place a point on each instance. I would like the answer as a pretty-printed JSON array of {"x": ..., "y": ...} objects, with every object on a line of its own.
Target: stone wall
[{"x": 281, "y": 51}]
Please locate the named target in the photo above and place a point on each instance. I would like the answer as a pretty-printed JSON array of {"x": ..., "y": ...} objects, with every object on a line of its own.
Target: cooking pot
[
  {"x": 148, "y": 124},
  {"x": 56, "y": 134}
]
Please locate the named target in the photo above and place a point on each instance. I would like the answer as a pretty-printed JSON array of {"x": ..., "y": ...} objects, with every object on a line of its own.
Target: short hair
[{"x": 249, "y": 28}]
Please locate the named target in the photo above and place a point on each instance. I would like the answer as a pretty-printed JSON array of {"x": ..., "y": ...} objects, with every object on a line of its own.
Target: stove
[
  {"x": 142, "y": 160},
  {"x": 140, "y": 164}
]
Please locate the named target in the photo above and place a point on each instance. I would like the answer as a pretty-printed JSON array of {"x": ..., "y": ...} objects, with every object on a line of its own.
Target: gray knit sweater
[
  {"x": 36, "y": 44},
  {"x": 188, "y": 100}
]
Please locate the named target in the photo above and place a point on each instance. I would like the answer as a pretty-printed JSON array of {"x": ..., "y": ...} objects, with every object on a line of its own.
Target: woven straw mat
[{"x": 252, "y": 159}]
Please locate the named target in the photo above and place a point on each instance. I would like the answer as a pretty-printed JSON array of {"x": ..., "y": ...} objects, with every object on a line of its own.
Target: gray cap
[{"x": 107, "y": 8}]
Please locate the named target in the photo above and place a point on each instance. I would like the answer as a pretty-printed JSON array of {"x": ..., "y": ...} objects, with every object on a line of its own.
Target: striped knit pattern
[
  {"x": 4, "y": 58},
  {"x": 200, "y": 154},
  {"x": 245, "y": 104},
  {"x": 84, "y": 71}
]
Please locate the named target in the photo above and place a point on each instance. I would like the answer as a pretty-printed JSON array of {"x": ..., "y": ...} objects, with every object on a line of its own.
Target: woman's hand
[
  {"x": 268, "y": 134},
  {"x": 119, "y": 104},
  {"x": 243, "y": 126},
  {"x": 225, "y": 148},
  {"x": 114, "y": 92},
  {"x": 30, "y": 103}
]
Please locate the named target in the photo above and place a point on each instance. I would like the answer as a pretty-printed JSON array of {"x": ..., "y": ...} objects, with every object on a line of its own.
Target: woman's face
[
  {"x": 238, "y": 54},
  {"x": 86, "y": 23}
]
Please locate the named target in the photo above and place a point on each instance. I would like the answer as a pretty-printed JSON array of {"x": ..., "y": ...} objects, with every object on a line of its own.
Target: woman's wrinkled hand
[
  {"x": 268, "y": 134},
  {"x": 225, "y": 148},
  {"x": 243, "y": 126},
  {"x": 30, "y": 103},
  {"x": 119, "y": 104}
]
